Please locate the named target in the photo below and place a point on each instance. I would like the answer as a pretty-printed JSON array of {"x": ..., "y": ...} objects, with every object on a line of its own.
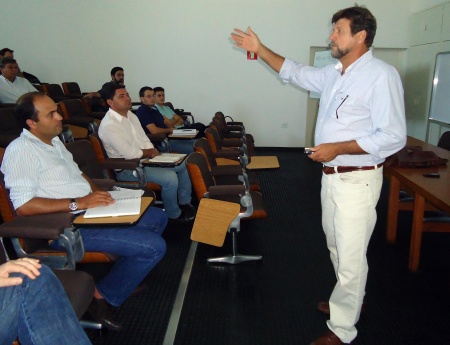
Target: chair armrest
[
  {"x": 234, "y": 128},
  {"x": 230, "y": 154},
  {"x": 224, "y": 170},
  {"x": 235, "y": 123},
  {"x": 232, "y": 143},
  {"x": 120, "y": 163},
  {"x": 157, "y": 138},
  {"x": 104, "y": 184},
  {"x": 215, "y": 191},
  {"x": 45, "y": 226}
]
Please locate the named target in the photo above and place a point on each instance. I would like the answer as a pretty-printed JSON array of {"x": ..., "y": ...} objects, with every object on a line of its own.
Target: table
[
  {"x": 434, "y": 190},
  {"x": 80, "y": 221}
]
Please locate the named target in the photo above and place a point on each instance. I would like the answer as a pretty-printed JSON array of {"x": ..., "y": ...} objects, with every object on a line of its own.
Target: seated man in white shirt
[
  {"x": 123, "y": 137},
  {"x": 12, "y": 86}
]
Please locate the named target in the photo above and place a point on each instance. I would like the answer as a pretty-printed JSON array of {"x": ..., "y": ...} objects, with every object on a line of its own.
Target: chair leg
[
  {"x": 90, "y": 324},
  {"x": 234, "y": 258}
]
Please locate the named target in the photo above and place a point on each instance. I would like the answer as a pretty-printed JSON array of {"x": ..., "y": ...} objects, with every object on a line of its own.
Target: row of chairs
[{"x": 219, "y": 172}]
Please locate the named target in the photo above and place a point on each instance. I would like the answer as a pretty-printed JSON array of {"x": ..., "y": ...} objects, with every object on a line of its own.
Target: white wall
[{"x": 185, "y": 47}]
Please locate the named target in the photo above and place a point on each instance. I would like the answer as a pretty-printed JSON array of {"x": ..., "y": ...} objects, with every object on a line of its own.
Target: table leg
[
  {"x": 416, "y": 234},
  {"x": 393, "y": 204}
]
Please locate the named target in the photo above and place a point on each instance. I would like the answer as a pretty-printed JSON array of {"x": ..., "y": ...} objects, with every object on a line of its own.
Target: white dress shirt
[
  {"x": 123, "y": 137},
  {"x": 364, "y": 104},
  {"x": 10, "y": 92},
  {"x": 33, "y": 168}
]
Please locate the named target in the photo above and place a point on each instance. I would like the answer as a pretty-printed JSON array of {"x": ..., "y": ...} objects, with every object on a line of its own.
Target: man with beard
[{"x": 361, "y": 121}]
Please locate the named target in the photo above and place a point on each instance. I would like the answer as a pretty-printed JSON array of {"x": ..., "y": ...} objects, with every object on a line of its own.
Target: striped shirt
[
  {"x": 33, "y": 169},
  {"x": 363, "y": 104}
]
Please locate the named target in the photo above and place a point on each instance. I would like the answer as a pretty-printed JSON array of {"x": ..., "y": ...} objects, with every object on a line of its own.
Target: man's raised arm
[{"x": 250, "y": 42}]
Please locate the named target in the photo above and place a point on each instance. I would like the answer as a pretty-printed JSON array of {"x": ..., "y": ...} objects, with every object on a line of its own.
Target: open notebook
[{"x": 128, "y": 202}]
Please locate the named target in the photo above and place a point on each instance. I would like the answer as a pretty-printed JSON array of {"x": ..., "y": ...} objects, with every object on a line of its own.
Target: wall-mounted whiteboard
[{"x": 440, "y": 94}]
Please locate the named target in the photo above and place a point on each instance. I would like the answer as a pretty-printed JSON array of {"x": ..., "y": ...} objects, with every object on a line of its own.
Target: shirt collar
[
  {"x": 115, "y": 115},
  {"x": 363, "y": 59},
  {"x": 27, "y": 134}
]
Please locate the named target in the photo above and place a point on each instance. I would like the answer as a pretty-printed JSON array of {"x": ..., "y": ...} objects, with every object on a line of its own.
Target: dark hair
[
  {"x": 360, "y": 19},
  {"x": 110, "y": 89},
  {"x": 25, "y": 108},
  {"x": 115, "y": 70},
  {"x": 6, "y": 60},
  {"x": 6, "y": 50},
  {"x": 157, "y": 89},
  {"x": 143, "y": 89}
]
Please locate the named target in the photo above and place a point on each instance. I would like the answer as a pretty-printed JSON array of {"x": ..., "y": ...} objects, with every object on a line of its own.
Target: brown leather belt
[{"x": 344, "y": 169}]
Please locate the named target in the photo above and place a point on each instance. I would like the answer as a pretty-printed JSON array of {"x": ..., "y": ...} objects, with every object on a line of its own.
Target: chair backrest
[
  {"x": 71, "y": 108},
  {"x": 39, "y": 88},
  {"x": 53, "y": 90},
  {"x": 71, "y": 89},
  {"x": 2, "y": 253},
  {"x": 84, "y": 155},
  {"x": 201, "y": 145},
  {"x": 444, "y": 141},
  {"x": 199, "y": 174},
  {"x": 212, "y": 136},
  {"x": 6, "y": 208},
  {"x": 98, "y": 147},
  {"x": 8, "y": 123}
]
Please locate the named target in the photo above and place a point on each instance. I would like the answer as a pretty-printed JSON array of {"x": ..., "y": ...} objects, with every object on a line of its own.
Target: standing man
[
  {"x": 123, "y": 137},
  {"x": 43, "y": 178},
  {"x": 12, "y": 86},
  {"x": 361, "y": 121}
]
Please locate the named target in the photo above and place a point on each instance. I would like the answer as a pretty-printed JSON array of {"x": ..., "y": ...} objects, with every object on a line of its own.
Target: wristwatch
[{"x": 73, "y": 206}]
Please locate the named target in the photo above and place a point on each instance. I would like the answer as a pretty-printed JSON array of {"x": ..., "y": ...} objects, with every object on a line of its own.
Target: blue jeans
[
  {"x": 175, "y": 185},
  {"x": 140, "y": 246},
  {"x": 182, "y": 145},
  {"x": 38, "y": 312}
]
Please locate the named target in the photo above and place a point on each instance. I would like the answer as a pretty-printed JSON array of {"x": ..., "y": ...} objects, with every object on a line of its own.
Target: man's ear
[
  {"x": 361, "y": 36},
  {"x": 31, "y": 123},
  {"x": 109, "y": 102}
]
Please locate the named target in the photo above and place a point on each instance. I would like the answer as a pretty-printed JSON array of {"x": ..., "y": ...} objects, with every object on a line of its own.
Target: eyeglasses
[{"x": 337, "y": 116}]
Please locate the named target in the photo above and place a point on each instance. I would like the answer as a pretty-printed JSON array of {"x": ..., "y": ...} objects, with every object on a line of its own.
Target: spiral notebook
[{"x": 128, "y": 202}]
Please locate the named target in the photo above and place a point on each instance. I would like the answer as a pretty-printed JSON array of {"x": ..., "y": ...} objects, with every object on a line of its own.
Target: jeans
[
  {"x": 38, "y": 312},
  {"x": 140, "y": 246},
  {"x": 182, "y": 145},
  {"x": 175, "y": 184}
]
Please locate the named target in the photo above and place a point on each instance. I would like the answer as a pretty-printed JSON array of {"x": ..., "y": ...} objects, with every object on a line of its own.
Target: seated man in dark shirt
[
  {"x": 153, "y": 122},
  {"x": 117, "y": 77}
]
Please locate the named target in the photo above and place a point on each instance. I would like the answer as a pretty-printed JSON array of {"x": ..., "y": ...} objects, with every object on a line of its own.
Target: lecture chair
[
  {"x": 131, "y": 164},
  {"x": 212, "y": 136},
  {"x": 252, "y": 203},
  {"x": 225, "y": 174},
  {"x": 72, "y": 90},
  {"x": 54, "y": 91},
  {"x": 232, "y": 129},
  {"x": 9, "y": 128},
  {"x": 25, "y": 246},
  {"x": 232, "y": 142},
  {"x": 185, "y": 115},
  {"x": 79, "y": 287}
]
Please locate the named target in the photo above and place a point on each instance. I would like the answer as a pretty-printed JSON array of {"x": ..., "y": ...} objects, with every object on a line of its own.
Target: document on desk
[
  {"x": 167, "y": 158},
  {"x": 184, "y": 131},
  {"x": 128, "y": 202}
]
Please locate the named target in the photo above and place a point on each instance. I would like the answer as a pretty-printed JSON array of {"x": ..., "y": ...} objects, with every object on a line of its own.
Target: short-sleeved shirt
[
  {"x": 148, "y": 115},
  {"x": 165, "y": 111}
]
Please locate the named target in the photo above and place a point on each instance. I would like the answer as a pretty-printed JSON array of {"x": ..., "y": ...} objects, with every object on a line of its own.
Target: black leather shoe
[
  {"x": 103, "y": 312},
  {"x": 189, "y": 209},
  {"x": 184, "y": 217}
]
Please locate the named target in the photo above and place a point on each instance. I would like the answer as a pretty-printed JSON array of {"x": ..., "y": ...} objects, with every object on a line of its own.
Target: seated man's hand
[
  {"x": 95, "y": 199},
  {"x": 26, "y": 266},
  {"x": 153, "y": 153}
]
